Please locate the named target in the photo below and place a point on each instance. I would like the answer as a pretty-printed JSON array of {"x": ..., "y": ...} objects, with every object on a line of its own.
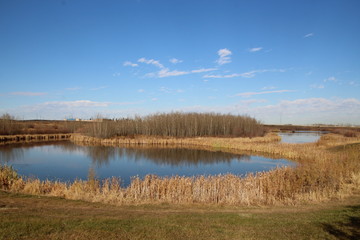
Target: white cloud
[
  {"x": 141, "y": 90},
  {"x": 268, "y": 88},
  {"x": 255, "y": 49},
  {"x": 353, "y": 83},
  {"x": 249, "y": 94},
  {"x": 201, "y": 70},
  {"x": 308, "y": 35},
  {"x": 76, "y": 104},
  {"x": 73, "y": 88},
  {"x": 84, "y": 109},
  {"x": 224, "y": 56},
  {"x": 165, "y": 89},
  {"x": 151, "y": 61},
  {"x": 169, "y": 90},
  {"x": 130, "y": 64},
  {"x": 331, "y": 79},
  {"x": 249, "y": 74},
  {"x": 299, "y": 111},
  {"x": 28, "y": 94},
  {"x": 165, "y": 72},
  {"x": 223, "y": 76},
  {"x": 98, "y": 88},
  {"x": 251, "y": 101},
  {"x": 319, "y": 86},
  {"x": 175, "y": 61}
]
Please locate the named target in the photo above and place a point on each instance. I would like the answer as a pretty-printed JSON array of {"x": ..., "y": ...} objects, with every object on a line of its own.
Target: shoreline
[
  {"x": 25, "y": 138},
  {"x": 325, "y": 171}
]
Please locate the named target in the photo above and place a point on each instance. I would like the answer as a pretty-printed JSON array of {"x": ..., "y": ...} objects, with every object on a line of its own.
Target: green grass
[{"x": 33, "y": 217}]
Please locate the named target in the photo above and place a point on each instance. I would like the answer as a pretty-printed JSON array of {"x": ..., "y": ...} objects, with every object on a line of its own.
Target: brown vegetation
[
  {"x": 7, "y": 139},
  {"x": 9, "y": 125},
  {"x": 178, "y": 125},
  {"x": 326, "y": 169}
]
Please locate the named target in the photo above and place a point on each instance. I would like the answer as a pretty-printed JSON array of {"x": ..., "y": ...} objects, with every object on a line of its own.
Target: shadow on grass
[{"x": 348, "y": 229}]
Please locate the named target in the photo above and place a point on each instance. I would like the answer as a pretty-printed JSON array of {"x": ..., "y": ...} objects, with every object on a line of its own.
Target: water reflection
[
  {"x": 102, "y": 155},
  {"x": 301, "y": 136},
  {"x": 66, "y": 161},
  {"x": 8, "y": 154}
]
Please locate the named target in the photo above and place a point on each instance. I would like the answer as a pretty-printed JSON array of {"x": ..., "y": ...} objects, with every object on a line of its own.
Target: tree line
[{"x": 177, "y": 124}]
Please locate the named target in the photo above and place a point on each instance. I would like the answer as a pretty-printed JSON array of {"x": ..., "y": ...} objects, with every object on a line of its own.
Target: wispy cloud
[
  {"x": 318, "y": 86},
  {"x": 299, "y": 111},
  {"x": 141, "y": 90},
  {"x": 169, "y": 90},
  {"x": 73, "y": 88},
  {"x": 268, "y": 88},
  {"x": 224, "y": 56},
  {"x": 308, "y": 35},
  {"x": 330, "y": 79},
  {"x": 255, "y": 49},
  {"x": 151, "y": 61},
  {"x": 165, "y": 72},
  {"x": 165, "y": 90},
  {"x": 98, "y": 88},
  {"x": 130, "y": 64},
  {"x": 249, "y": 94},
  {"x": 353, "y": 83},
  {"x": 83, "y": 103},
  {"x": 28, "y": 94},
  {"x": 201, "y": 70},
  {"x": 223, "y": 76},
  {"x": 251, "y": 101},
  {"x": 249, "y": 74},
  {"x": 175, "y": 60},
  {"x": 76, "y": 104}
]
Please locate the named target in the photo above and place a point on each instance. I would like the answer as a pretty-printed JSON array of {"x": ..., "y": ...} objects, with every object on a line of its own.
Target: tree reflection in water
[
  {"x": 102, "y": 155},
  {"x": 8, "y": 154}
]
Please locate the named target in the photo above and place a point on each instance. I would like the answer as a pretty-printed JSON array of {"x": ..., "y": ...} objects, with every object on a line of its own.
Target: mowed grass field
[{"x": 39, "y": 217}]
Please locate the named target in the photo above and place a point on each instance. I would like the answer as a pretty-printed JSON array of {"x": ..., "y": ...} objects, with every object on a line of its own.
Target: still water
[
  {"x": 66, "y": 161},
  {"x": 301, "y": 136}
]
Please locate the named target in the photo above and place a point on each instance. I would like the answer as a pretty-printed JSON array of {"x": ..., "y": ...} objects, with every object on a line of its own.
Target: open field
[{"x": 36, "y": 217}]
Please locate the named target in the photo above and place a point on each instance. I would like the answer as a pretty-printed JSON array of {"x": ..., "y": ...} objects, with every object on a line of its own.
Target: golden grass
[{"x": 327, "y": 169}]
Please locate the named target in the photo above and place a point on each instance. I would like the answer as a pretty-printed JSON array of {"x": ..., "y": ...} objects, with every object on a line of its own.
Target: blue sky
[{"x": 281, "y": 62}]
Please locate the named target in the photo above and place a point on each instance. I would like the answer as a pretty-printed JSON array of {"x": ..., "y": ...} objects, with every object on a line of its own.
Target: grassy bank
[
  {"x": 10, "y": 139},
  {"x": 327, "y": 169},
  {"x": 30, "y": 217}
]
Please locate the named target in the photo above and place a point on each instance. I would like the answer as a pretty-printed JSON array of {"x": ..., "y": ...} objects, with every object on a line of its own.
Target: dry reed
[{"x": 321, "y": 174}]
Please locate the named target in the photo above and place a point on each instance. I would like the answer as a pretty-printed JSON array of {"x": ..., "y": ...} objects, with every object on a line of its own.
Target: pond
[
  {"x": 301, "y": 136},
  {"x": 66, "y": 161}
]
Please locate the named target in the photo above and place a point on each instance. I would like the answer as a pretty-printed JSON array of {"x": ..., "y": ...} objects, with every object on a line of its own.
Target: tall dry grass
[{"x": 327, "y": 169}]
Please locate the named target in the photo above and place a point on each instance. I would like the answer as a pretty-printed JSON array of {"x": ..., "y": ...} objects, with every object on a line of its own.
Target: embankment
[{"x": 8, "y": 139}]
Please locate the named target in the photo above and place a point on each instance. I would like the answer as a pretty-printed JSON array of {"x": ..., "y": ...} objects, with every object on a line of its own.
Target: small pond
[
  {"x": 301, "y": 136},
  {"x": 66, "y": 161}
]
